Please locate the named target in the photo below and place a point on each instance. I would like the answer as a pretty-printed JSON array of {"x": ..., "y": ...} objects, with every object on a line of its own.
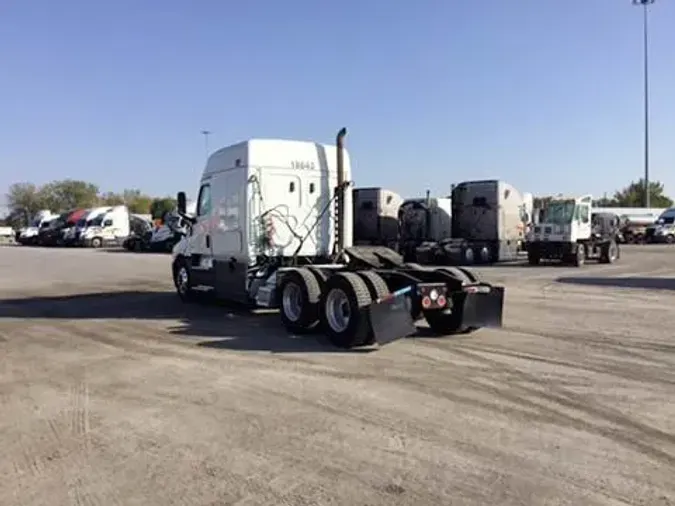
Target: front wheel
[
  {"x": 183, "y": 281},
  {"x": 96, "y": 242},
  {"x": 580, "y": 256}
]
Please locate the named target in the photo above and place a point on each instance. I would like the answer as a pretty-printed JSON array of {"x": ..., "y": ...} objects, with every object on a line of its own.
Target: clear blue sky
[{"x": 544, "y": 94}]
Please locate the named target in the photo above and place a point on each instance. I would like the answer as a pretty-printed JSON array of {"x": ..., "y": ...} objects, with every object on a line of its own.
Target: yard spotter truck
[
  {"x": 569, "y": 231},
  {"x": 274, "y": 229}
]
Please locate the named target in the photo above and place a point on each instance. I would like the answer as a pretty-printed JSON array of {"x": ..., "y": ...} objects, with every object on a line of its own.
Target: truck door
[
  {"x": 228, "y": 239},
  {"x": 199, "y": 240},
  {"x": 585, "y": 225}
]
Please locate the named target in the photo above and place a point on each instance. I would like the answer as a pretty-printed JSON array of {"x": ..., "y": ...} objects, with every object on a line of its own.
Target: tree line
[
  {"x": 24, "y": 200},
  {"x": 632, "y": 195}
]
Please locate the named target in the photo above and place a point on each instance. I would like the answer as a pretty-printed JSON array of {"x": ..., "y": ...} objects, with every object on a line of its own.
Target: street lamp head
[{"x": 643, "y": 2}]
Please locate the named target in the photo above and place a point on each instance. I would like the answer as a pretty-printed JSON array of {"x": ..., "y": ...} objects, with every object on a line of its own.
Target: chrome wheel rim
[
  {"x": 291, "y": 301},
  {"x": 182, "y": 280},
  {"x": 338, "y": 312}
]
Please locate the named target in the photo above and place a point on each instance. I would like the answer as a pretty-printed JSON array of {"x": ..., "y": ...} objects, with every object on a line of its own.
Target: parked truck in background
[
  {"x": 274, "y": 228},
  {"x": 29, "y": 235},
  {"x": 376, "y": 217},
  {"x": 107, "y": 229},
  {"x": 74, "y": 235},
  {"x": 424, "y": 223},
  {"x": 663, "y": 230},
  {"x": 570, "y": 232},
  {"x": 487, "y": 225}
]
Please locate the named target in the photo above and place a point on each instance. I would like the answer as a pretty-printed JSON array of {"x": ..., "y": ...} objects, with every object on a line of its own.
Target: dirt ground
[{"x": 114, "y": 393}]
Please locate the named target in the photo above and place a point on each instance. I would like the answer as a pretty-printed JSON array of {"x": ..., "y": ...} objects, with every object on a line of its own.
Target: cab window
[
  {"x": 204, "y": 201},
  {"x": 585, "y": 214}
]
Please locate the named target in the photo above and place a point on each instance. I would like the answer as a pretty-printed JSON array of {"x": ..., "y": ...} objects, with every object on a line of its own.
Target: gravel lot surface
[{"x": 114, "y": 393}]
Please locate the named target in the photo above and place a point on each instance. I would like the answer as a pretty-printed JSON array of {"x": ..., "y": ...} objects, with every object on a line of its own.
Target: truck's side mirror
[{"x": 182, "y": 202}]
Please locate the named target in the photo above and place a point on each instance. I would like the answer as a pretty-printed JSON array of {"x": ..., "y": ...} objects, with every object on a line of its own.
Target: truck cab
[
  {"x": 41, "y": 220},
  {"x": 566, "y": 232},
  {"x": 74, "y": 235},
  {"x": 274, "y": 229},
  {"x": 663, "y": 230},
  {"x": 107, "y": 229}
]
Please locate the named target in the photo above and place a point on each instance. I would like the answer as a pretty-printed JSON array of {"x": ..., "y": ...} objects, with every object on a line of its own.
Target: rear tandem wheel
[
  {"x": 342, "y": 310},
  {"x": 299, "y": 305},
  {"x": 450, "y": 321}
]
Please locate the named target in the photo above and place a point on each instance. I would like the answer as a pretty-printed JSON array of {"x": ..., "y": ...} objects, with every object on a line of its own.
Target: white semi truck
[
  {"x": 41, "y": 220},
  {"x": 109, "y": 228},
  {"x": 569, "y": 231},
  {"x": 273, "y": 228}
]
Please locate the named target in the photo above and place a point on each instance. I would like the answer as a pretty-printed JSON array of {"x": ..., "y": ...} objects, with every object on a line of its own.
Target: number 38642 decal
[{"x": 302, "y": 164}]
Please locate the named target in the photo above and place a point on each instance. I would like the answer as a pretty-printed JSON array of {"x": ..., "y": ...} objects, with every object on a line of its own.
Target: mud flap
[
  {"x": 484, "y": 308},
  {"x": 390, "y": 317}
]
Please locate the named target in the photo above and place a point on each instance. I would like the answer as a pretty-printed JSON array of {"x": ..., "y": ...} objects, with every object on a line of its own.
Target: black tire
[
  {"x": 443, "y": 320},
  {"x": 533, "y": 258},
  {"x": 670, "y": 238},
  {"x": 302, "y": 285},
  {"x": 96, "y": 242},
  {"x": 460, "y": 273},
  {"x": 378, "y": 289},
  {"x": 448, "y": 321},
  {"x": 376, "y": 285},
  {"x": 579, "y": 257},
  {"x": 609, "y": 253},
  {"x": 320, "y": 276},
  {"x": 354, "y": 290},
  {"x": 182, "y": 280}
]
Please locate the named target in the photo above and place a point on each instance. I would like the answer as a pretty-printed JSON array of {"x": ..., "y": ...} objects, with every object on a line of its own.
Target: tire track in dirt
[
  {"x": 89, "y": 487},
  {"x": 614, "y": 369},
  {"x": 625, "y": 430},
  {"x": 607, "y": 343},
  {"x": 33, "y": 457}
]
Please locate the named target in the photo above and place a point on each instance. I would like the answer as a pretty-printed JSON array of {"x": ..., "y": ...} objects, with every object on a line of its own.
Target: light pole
[
  {"x": 206, "y": 134},
  {"x": 645, "y": 29}
]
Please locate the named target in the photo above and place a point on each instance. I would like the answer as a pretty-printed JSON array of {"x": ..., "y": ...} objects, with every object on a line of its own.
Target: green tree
[
  {"x": 111, "y": 199},
  {"x": 137, "y": 202},
  {"x": 69, "y": 194},
  {"x": 24, "y": 199},
  {"x": 605, "y": 202},
  {"x": 160, "y": 207},
  {"x": 633, "y": 195}
]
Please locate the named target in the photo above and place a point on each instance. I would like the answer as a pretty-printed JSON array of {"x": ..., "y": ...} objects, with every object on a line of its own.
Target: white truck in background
[
  {"x": 571, "y": 232},
  {"x": 42, "y": 219},
  {"x": 110, "y": 228},
  {"x": 73, "y": 236}
]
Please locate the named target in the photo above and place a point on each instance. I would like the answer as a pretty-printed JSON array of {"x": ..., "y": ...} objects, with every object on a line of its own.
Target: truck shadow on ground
[
  {"x": 629, "y": 282},
  {"x": 209, "y": 324}
]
